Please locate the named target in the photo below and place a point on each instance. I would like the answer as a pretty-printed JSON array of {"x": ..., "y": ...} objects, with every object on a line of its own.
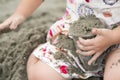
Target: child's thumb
[{"x": 97, "y": 31}]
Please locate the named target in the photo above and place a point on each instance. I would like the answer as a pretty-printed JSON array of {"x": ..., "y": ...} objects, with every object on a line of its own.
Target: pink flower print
[
  {"x": 60, "y": 18},
  {"x": 87, "y": 0},
  {"x": 50, "y": 33},
  {"x": 44, "y": 50},
  {"x": 71, "y": 1},
  {"x": 64, "y": 69},
  {"x": 107, "y": 14},
  {"x": 67, "y": 13}
]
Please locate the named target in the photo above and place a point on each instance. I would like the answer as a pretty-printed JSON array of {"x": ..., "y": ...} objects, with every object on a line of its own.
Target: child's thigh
[
  {"x": 112, "y": 67},
  {"x": 38, "y": 70}
]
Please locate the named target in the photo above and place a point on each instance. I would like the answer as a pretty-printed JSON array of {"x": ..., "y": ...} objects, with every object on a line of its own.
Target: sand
[{"x": 17, "y": 45}]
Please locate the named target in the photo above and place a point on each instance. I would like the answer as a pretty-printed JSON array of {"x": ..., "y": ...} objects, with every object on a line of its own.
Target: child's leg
[
  {"x": 112, "y": 68},
  {"x": 37, "y": 70}
]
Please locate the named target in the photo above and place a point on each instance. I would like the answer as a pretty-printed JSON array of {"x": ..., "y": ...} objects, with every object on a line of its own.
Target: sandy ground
[{"x": 17, "y": 45}]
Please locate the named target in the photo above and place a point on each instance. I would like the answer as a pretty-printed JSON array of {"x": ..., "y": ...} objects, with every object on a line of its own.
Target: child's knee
[
  {"x": 30, "y": 66},
  {"x": 32, "y": 72},
  {"x": 32, "y": 60}
]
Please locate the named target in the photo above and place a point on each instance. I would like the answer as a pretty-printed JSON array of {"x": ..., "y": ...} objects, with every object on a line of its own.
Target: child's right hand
[{"x": 12, "y": 22}]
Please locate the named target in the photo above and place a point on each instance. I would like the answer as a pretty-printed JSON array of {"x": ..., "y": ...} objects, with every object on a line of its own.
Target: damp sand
[{"x": 17, "y": 45}]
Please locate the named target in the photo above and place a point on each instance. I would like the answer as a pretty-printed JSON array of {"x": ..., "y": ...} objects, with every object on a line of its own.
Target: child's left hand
[{"x": 96, "y": 46}]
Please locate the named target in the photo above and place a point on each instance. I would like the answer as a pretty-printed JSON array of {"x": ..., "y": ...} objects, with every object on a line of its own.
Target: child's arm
[
  {"x": 116, "y": 35},
  {"x": 26, "y": 7},
  {"x": 96, "y": 46},
  {"x": 24, "y": 10}
]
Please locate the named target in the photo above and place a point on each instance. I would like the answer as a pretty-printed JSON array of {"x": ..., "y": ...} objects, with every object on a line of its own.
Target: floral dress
[{"x": 107, "y": 11}]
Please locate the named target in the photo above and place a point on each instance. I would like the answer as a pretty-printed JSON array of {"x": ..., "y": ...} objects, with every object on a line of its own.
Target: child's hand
[
  {"x": 12, "y": 22},
  {"x": 97, "y": 45}
]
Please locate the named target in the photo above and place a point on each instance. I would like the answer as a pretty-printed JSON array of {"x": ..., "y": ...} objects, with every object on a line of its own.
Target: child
[{"x": 38, "y": 67}]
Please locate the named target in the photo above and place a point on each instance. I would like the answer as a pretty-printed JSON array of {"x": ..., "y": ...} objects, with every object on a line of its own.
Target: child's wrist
[
  {"x": 20, "y": 15},
  {"x": 115, "y": 37}
]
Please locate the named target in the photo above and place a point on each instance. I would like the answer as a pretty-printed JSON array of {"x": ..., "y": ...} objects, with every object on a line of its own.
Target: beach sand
[{"x": 17, "y": 45}]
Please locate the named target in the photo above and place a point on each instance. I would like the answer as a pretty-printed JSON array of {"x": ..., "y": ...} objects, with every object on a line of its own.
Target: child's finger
[
  {"x": 94, "y": 58},
  {"x": 4, "y": 25},
  {"x": 98, "y": 31},
  {"x": 88, "y": 42},
  {"x": 13, "y": 25},
  {"x": 86, "y": 48},
  {"x": 86, "y": 53}
]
